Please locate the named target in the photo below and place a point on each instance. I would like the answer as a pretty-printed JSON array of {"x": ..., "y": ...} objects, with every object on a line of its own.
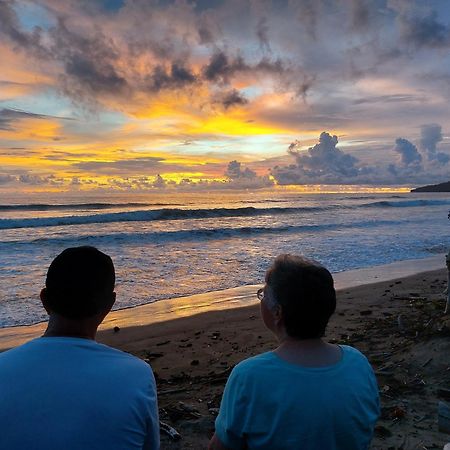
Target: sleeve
[
  {"x": 152, "y": 437},
  {"x": 232, "y": 419}
]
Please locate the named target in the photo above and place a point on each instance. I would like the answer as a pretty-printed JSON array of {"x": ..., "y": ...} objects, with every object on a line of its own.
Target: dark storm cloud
[
  {"x": 10, "y": 27},
  {"x": 89, "y": 61},
  {"x": 92, "y": 63},
  {"x": 178, "y": 77},
  {"x": 220, "y": 67},
  {"x": 232, "y": 98},
  {"x": 408, "y": 152},
  {"x": 96, "y": 77}
]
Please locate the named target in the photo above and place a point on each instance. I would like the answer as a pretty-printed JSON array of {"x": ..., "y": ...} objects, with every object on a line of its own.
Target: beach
[{"x": 192, "y": 344}]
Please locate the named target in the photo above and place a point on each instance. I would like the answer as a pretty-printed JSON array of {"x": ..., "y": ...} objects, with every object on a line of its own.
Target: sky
[{"x": 145, "y": 95}]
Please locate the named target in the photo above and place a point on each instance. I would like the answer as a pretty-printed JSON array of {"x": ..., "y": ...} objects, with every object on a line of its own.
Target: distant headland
[{"x": 442, "y": 187}]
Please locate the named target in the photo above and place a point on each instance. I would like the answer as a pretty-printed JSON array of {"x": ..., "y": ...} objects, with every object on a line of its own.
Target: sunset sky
[{"x": 142, "y": 95}]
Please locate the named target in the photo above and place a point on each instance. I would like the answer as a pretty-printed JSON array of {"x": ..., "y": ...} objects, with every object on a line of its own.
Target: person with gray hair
[{"x": 307, "y": 393}]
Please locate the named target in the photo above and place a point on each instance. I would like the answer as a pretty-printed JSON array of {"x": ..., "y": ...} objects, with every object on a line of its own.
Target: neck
[
  {"x": 61, "y": 327},
  {"x": 309, "y": 352},
  {"x": 288, "y": 342}
]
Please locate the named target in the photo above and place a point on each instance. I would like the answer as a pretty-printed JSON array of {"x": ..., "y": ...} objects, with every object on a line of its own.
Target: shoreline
[{"x": 227, "y": 299}]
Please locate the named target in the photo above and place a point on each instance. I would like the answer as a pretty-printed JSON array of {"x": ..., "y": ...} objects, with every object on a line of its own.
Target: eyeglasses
[{"x": 260, "y": 294}]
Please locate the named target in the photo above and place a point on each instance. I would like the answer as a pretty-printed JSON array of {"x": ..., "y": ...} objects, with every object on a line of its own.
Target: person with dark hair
[
  {"x": 66, "y": 391},
  {"x": 306, "y": 394}
]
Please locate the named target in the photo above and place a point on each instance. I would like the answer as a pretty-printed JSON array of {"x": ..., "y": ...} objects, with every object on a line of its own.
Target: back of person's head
[
  {"x": 305, "y": 291},
  {"x": 80, "y": 283}
]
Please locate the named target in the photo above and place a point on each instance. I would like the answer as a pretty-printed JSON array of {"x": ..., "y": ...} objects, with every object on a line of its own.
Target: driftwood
[{"x": 170, "y": 431}]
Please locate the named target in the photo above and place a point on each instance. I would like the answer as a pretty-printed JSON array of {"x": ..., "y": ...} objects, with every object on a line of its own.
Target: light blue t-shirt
[
  {"x": 75, "y": 394},
  {"x": 269, "y": 403}
]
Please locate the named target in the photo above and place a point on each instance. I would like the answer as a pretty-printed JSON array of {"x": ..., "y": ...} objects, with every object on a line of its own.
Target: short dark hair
[
  {"x": 305, "y": 291},
  {"x": 79, "y": 282}
]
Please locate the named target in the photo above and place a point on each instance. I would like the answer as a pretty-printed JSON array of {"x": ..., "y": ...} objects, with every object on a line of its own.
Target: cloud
[
  {"x": 6, "y": 178},
  {"x": 391, "y": 98},
  {"x": 430, "y": 136},
  {"x": 136, "y": 165},
  {"x": 33, "y": 179},
  {"x": 10, "y": 27},
  {"x": 308, "y": 15},
  {"x": 360, "y": 10},
  {"x": 205, "y": 32},
  {"x": 245, "y": 178},
  {"x": 262, "y": 32},
  {"x": 9, "y": 115},
  {"x": 231, "y": 98},
  {"x": 322, "y": 163},
  {"x": 159, "y": 182},
  {"x": 98, "y": 78},
  {"x": 409, "y": 155},
  {"x": 220, "y": 67},
  {"x": 229, "y": 73},
  {"x": 234, "y": 171},
  {"x": 325, "y": 164},
  {"x": 178, "y": 77},
  {"x": 424, "y": 31}
]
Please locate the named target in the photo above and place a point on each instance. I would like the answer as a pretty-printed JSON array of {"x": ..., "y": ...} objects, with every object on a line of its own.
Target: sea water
[{"x": 171, "y": 245}]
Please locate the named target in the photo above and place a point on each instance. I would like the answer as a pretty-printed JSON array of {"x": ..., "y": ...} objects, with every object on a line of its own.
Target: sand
[{"x": 397, "y": 323}]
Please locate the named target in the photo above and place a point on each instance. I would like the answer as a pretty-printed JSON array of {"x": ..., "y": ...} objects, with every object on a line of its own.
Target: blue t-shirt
[
  {"x": 269, "y": 403},
  {"x": 75, "y": 394}
]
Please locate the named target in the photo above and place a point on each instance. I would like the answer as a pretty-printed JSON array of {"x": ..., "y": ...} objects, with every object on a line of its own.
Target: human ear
[
  {"x": 278, "y": 314},
  {"x": 43, "y": 297},
  {"x": 112, "y": 300}
]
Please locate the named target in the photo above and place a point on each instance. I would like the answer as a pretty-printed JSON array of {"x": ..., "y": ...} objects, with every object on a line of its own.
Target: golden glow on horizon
[{"x": 346, "y": 188}]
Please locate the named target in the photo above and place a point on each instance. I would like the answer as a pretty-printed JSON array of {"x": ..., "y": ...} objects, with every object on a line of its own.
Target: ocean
[{"x": 172, "y": 245}]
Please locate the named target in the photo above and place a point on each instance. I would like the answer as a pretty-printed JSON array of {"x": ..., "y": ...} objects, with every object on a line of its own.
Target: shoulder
[
  {"x": 355, "y": 361},
  {"x": 352, "y": 354},
  {"x": 253, "y": 365},
  {"x": 124, "y": 358},
  {"x": 17, "y": 352}
]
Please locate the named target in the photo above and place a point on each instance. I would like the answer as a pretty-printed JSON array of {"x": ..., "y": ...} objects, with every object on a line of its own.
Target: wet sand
[{"x": 167, "y": 310}]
